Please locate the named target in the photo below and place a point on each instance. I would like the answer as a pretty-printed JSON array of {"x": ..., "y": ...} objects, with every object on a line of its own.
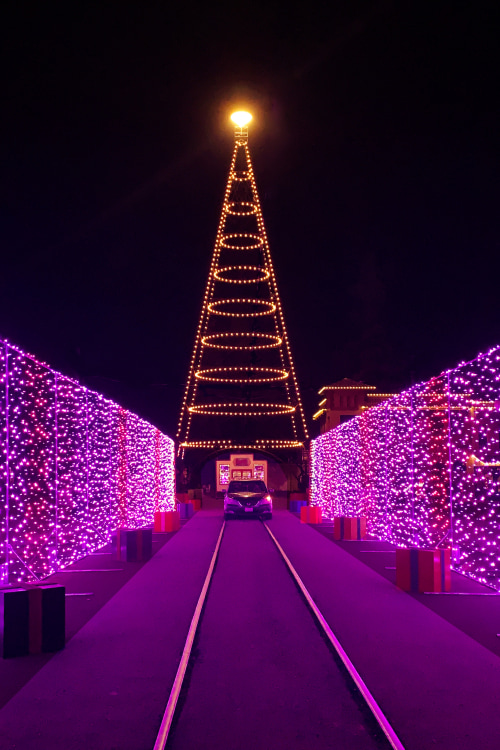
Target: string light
[
  {"x": 257, "y": 244},
  {"x": 263, "y": 274},
  {"x": 244, "y": 409},
  {"x": 274, "y": 375},
  {"x": 255, "y": 326},
  {"x": 230, "y": 445},
  {"x": 272, "y": 342},
  {"x": 318, "y": 414},
  {"x": 234, "y": 208},
  {"x": 423, "y": 467},
  {"x": 75, "y": 467},
  {"x": 349, "y": 388},
  {"x": 268, "y": 307}
]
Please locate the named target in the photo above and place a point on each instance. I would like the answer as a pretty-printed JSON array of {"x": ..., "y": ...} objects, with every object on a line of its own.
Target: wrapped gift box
[
  {"x": 167, "y": 520},
  {"x": 186, "y": 510},
  {"x": 296, "y": 505},
  {"x": 423, "y": 569},
  {"x": 349, "y": 528},
  {"x": 181, "y": 497},
  {"x": 310, "y": 514},
  {"x": 133, "y": 545},
  {"x": 298, "y": 496},
  {"x": 34, "y": 620},
  {"x": 196, "y": 504}
]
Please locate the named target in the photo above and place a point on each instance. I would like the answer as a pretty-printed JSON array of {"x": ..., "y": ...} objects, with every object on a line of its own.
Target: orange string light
[{"x": 241, "y": 204}]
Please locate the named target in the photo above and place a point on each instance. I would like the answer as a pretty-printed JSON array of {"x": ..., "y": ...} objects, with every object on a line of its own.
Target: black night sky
[{"x": 375, "y": 148}]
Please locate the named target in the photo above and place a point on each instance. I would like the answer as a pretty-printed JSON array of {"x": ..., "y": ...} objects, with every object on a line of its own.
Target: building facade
[{"x": 343, "y": 400}]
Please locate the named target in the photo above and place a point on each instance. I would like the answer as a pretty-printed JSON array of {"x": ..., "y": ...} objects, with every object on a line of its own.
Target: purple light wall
[
  {"x": 423, "y": 467},
  {"x": 74, "y": 466}
]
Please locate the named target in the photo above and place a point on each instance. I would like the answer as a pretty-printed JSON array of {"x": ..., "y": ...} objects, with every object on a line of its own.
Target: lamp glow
[{"x": 241, "y": 119}]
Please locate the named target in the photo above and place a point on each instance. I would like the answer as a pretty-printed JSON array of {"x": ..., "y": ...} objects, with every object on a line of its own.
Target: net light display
[
  {"x": 74, "y": 466},
  {"x": 423, "y": 467},
  {"x": 241, "y": 365}
]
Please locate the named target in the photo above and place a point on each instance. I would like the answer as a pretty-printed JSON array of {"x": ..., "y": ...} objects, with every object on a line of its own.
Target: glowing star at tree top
[{"x": 241, "y": 119}]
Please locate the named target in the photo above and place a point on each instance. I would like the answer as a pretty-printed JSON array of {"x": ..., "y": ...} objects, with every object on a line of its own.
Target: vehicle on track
[{"x": 248, "y": 499}]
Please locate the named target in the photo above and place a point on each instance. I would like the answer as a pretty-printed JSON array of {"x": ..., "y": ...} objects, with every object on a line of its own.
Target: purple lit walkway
[
  {"x": 109, "y": 687},
  {"x": 261, "y": 675}
]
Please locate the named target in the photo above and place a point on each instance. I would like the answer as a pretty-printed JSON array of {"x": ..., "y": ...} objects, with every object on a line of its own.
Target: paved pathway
[
  {"x": 108, "y": 689},
  {"x": 262, "y": 675},
  {"x": 258, "y": 657},
  {"x": 437, "y": 686}
]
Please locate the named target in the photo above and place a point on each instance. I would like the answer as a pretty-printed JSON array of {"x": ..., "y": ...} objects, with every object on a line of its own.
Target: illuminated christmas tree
[{"x": 241, "y": 391}]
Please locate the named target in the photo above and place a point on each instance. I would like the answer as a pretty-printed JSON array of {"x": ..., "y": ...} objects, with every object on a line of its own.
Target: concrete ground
[
  {"x": 472, "y": 607},
  {"x": 261, "y": 675},
  {"x": 90, "y": 583},
  {"x": 437, "y": 686},
  {"x": 108, "y": 689}
]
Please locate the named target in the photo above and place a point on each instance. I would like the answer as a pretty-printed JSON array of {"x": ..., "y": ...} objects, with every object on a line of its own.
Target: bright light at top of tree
[{"x": 241, "y": 118}]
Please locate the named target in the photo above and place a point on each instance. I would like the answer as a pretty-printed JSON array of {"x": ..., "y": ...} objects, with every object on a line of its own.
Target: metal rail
[
  {"x": 372, "y": 704},
  {"x": 166, "y": 722},
  {"x": 168, "y": 715}
]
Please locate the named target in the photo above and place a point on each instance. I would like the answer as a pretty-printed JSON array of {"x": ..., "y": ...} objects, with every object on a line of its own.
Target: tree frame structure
[{"x": 242, "y": 390}]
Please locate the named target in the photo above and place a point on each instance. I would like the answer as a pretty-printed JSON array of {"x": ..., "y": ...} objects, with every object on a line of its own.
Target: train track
[{"x": 164, "y": 732}]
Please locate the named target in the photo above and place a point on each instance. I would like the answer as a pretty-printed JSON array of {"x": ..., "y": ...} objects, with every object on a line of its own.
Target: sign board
[{"x": 240, "y": 467}]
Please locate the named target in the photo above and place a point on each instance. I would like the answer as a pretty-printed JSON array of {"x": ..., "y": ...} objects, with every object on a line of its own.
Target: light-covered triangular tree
[{"x": 242, "y": 390}]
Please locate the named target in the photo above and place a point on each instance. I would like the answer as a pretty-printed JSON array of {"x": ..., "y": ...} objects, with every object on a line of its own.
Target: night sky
[{"x": 375, "y": 147}]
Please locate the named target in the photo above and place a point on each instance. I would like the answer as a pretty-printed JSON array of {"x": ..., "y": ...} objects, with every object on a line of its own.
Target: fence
[
  {"x": 423, "y": 467},
  {"x": 73, "y": 467}
]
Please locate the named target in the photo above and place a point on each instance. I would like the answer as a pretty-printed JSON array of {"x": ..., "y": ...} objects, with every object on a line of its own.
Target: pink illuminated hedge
[
  {"x": 423, "y": 467},
  {"x": 74, "y": 466}
]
